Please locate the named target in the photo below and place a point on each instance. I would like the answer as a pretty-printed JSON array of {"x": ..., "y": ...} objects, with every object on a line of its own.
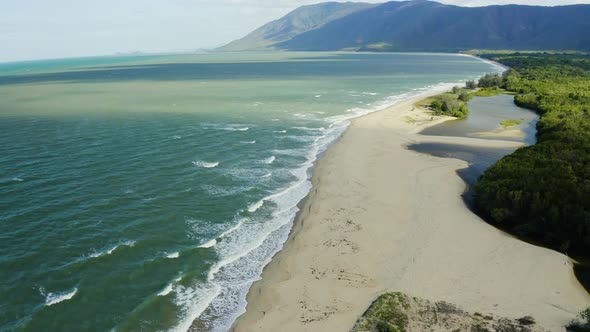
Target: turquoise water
[{"x": 147, "y": 193}]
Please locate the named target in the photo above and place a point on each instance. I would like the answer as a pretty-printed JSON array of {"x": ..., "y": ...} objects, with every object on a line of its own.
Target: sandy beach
[{"x": 383, "y": 218}]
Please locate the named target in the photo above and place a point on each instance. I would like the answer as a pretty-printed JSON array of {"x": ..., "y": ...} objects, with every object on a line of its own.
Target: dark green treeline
[{"x": 542, "y": 192}]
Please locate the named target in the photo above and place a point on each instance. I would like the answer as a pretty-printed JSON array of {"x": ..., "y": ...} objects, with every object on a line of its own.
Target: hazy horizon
[{"x": 35, "y": 30}]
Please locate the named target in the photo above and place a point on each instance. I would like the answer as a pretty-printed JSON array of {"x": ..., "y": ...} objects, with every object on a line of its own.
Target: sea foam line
[
  {"x": 208, "y": 244},
  {"x": 55, "y": 298},
  {"x": 252, "y": 208},
  {"x": 169, "y": 288},
  {"x": 205, "y": 164},
  {"x": 173, "y": 255},
  {"x": 233, "y": 229},
  {"x": 112, "y": 249},
  {"x": 270, "y": 160},
  {"x": 185, "y": 297},
  {"x": 236, "y": 128}
]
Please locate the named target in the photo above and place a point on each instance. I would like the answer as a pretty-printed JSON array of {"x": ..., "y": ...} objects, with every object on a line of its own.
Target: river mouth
[
  {"x": 485, "y": 118},
  {"x": 484, "y": 122},
  {"x": 479, "y": 160}
]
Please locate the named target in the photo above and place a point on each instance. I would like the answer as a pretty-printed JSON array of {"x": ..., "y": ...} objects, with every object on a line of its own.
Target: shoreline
[{"x": 379, "y": 218}]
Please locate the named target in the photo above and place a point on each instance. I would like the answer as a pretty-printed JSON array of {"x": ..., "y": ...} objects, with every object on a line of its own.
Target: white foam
[
  {"x": 54, "y": 298},
  {"x": 270, "y": 160},
  {"x": 370, "y": 93},
  {"x": 233, "y": 229},
  {"x": 293, "y": 152},
  {"x": 193, "y": 301},
  {"x": 17, "y": 179},
  {"x": 255, "y": 206},
  {"x": 267, "y": 175},
  {"x": 112, "y": 249},
  {"x": 280, "y": 131},
  {"x": 173, "y": 255},
  {"x": 176, "y": 137},
  {"x": 236, "y": 128},
  {"x": 250, "y": 142},
  {"x": 310, "y": 129},
  {"x": 208, "y": 244},
  {"x": 226, "y": 126},
  {"x": 169, "y": 288},
  {"x": 318, "y": 96},
  {"x": 205, "y": 164}
]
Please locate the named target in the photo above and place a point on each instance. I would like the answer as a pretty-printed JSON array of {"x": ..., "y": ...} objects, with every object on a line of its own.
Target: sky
[{"x": 42, "y": 29}]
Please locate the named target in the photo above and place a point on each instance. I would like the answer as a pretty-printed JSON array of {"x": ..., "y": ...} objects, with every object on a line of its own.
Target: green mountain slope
[
  {"x": 431, "y": 26},
  {"x": 423, "y": 26},
  {"x": 299, "y": 21}
]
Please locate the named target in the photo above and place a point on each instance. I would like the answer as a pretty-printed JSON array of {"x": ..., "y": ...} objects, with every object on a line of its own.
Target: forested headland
[{"x": 542, "y": 192}]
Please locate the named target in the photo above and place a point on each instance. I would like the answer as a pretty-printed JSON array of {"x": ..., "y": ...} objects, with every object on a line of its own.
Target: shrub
[{"x": 490, "y": 81}]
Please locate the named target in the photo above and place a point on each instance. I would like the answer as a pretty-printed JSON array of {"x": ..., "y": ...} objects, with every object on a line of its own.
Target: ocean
[{"x": 146, "y": 193}]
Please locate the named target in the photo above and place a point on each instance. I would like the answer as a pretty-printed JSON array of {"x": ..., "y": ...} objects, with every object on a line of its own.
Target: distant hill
[
  {"x": 430, "y": 26},
  {"x": 299, "y": 21}
]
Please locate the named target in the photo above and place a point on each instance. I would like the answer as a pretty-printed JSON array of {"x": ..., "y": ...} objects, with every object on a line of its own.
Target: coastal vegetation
[
  {"x": 398, "y": 312},
  {"x": 452, "y": 103},
  {"x": 542, "y": 192}
]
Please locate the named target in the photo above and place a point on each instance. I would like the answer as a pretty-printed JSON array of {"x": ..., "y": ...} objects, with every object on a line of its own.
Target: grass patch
[
  {"x": 489, "y": 92},
  {"x": 510, "y": 123},
  {"x": 380, "y": 47},
  {"x": 387, "y": 314}
]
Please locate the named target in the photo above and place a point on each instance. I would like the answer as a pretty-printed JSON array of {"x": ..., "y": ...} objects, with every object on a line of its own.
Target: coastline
[{"x": 383, "y": 218}]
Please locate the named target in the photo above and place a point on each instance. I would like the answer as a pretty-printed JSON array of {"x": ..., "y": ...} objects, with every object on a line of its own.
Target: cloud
[{"x": 70, "y": 28}]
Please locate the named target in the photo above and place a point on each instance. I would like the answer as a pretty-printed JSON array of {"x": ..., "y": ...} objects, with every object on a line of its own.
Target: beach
[{"x": 383, "y": 218}]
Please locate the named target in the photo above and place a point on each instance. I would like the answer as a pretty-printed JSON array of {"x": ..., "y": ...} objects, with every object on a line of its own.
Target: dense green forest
[{"x": 542, "y": 192}]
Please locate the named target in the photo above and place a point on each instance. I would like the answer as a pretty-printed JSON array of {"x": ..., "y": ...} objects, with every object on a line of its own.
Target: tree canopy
[{"x": 542, "y": 192}]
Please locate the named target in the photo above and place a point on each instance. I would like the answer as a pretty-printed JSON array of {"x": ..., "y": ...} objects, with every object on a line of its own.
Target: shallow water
[
  {"x": 486, "y": 114},
  {"x": 147, "y": 193}
]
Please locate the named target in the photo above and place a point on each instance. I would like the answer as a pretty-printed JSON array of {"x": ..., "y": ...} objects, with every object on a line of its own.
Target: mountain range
[{"x": 422, "y": 25}]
